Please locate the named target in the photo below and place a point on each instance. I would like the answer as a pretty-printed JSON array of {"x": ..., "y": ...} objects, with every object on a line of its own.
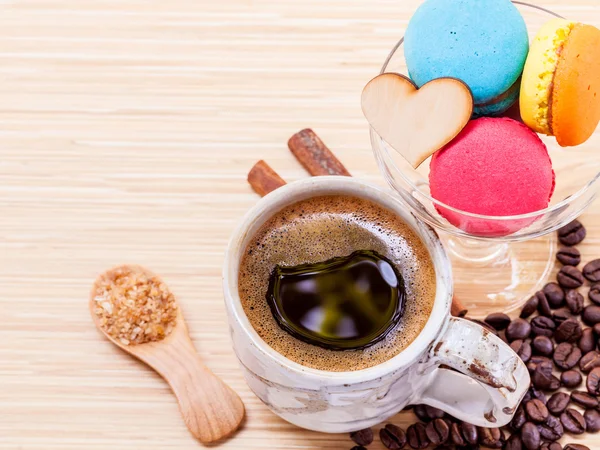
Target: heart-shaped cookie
[{"x": 417, "y": 122}]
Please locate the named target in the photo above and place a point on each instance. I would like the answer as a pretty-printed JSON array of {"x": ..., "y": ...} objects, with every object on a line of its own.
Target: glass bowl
[{"x": 498, "y": 272}]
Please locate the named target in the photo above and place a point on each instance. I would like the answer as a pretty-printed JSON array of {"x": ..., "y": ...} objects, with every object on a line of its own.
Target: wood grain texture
[{"x": 127, "y": 129}]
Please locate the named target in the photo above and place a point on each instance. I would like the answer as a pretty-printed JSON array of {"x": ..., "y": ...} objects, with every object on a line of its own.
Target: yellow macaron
[{"x": 560, "y": 89}]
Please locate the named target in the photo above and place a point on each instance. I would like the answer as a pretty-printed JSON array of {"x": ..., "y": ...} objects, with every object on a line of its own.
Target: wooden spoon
[{"x": 210, "y": 408}]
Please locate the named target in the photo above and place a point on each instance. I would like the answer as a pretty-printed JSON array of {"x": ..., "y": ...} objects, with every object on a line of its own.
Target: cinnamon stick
[
  {"x": 263, "y": 179},
  {"x": 314, "y": 155},
  {"x": 458, "y": 309},
  {"x": 318, "y": 160}
]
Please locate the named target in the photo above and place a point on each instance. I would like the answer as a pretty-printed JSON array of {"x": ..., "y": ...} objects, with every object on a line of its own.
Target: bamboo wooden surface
[{"x": 127, "y": 128}]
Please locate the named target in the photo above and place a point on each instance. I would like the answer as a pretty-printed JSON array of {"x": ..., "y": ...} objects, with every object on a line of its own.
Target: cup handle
[{"x": 491, "y": 379}]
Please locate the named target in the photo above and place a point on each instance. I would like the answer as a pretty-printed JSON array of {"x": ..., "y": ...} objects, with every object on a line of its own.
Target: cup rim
[{"x": 332, "y": 185}]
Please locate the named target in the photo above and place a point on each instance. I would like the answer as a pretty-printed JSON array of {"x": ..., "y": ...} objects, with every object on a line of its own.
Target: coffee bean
[
  {"x": 542, "y": 377},
  {"x": 596, "y": 329},
  {"x": 362, "y": 437},
  {"x": 498, "y": 320},
  {"x": 529, "y": 308},
  {"x": 592, "y": 271},
  {"x": 542, "y": 326},
  {"x": 575, "y": 447},
  {"x": 437, "y": 431},
  {"x": 551, "y": 446},
  {"x": 421, "y": 413},
  {"x": 514, "y": 443},
  {"x": 530, "y": 435},
  {"x": 571, "y": 378},
  {"x": 518, "y": 329},
  {"x": 555, "y": 295},
  {"x": 522, "y": 348},
  {"x": 469, "y": 433},
  {"x": 536, "y": 411},
  {"x": 536, "y": 394},
  {"x": 591, "y": 315},
  {"x": 392, "y": 437},
  {"x": 587, "y": 342},
  {"x": 566, "y": 356},
  {"x": 594, "y": 294},
  {"x": 572, "y": 233},
  {"x": 542, "y": 345},
  {"x": 592, "y": 420},
  {"x": 481, "y": 323},
  {"x": 592, "y": 383},
  {"x": 425, "y": 413},
  {"x": 573, "y": 421},
  {"x": 538, "y": 359},
  {"x": 358, "y": 447},
  {"x": 434, "y": 413},
  {"x": 561, "y": 315},
  {"x": 568, "y": 331},
  {"x": 543, "y": 305},
  {"x": 456, "y": 436},
  {"x": 570, "y": 277},
  {"x": 519, "y": 418},
  {"x": 551, "y": 429},
  {"x": 589, "y": 361},
  {"x": 558, "y": 403},
  {"x": 584, "y": 399},
  {"x": 569, "y": 256},
  {"x": 490, "y": 437},
  {"x": 417, "y": 436},
  {"x": 575, "y": 301}
]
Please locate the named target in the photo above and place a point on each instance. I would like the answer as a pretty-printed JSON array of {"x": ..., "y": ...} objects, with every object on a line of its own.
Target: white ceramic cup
[{"x": 487, "y": 385}]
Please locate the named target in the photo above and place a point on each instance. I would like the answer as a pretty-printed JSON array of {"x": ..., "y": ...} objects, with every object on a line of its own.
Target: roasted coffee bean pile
[{"x": 557, "y": 336}]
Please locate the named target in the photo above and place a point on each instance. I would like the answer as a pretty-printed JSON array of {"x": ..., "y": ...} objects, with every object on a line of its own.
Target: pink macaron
[{"x": 494, "y": 167}]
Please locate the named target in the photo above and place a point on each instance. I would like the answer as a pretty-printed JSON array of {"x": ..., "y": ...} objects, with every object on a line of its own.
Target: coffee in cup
[
  {"x": 337, "y": 283},
  {"x": 319, "y": 224}
]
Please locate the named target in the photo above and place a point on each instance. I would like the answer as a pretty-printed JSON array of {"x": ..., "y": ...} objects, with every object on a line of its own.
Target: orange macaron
[
  {"x": 560, "y": 91},
  {"x": 576, "y": 93}
]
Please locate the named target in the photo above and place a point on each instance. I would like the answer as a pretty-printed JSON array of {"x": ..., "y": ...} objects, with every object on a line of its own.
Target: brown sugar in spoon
[{"x": 211, "y": 409}]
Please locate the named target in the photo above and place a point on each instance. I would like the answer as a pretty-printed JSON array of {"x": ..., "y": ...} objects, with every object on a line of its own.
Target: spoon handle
[{"x": 210, "y": 408}]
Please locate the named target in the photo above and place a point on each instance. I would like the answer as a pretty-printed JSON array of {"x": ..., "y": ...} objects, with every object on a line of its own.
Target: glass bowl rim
[{"x": 438, "y": 204}]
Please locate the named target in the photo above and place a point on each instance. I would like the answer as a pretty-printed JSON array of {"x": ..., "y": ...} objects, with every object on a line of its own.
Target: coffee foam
[{"x": 322, "y": 228}]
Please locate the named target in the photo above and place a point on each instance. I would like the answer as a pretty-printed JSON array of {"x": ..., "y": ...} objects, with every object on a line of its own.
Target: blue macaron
[{"x": 481, "y": 42}]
